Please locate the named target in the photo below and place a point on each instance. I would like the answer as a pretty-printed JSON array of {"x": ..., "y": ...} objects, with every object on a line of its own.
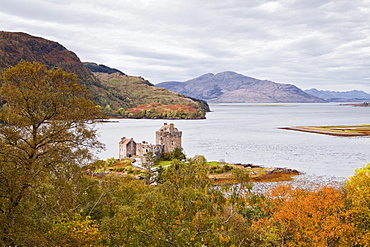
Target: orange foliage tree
[{"x": 297, "y": 217}]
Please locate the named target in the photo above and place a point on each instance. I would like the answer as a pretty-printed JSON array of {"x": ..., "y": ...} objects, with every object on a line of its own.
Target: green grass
[
  {"x": 213, "y": 163},
  {"x": 164, "y": 163}
]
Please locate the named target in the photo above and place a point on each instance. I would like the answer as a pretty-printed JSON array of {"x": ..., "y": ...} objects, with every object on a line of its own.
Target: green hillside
[{"x": 135, "y": 91}]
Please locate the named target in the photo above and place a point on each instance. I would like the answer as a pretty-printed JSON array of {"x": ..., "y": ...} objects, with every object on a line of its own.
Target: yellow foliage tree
[
  {"x": 44, "y": 133},
  {"x": 358, "y": 199}
]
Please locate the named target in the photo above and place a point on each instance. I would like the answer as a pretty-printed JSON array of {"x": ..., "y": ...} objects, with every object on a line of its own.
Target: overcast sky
[{"x": 323, "y": 44}]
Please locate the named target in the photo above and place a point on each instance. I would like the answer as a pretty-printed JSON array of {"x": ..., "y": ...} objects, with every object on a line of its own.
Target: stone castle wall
[
  {"x": 144, "y": 148},
  {"x": 167, "y": 139},
  {"x": 169, "y": 136},
  {"x": 127, "y": 148}
]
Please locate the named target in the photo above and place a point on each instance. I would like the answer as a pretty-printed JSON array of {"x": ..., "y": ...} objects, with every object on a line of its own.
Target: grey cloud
[
  {"x": 57, "y": 11},
  {"x": 320, "y": 42}
]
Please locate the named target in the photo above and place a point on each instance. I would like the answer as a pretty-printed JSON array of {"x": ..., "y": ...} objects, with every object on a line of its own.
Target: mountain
[
  {"x": 16, "y": 46},
  {"x": 113, "y": 90},
  {"x": 233, "y": 87},
  {"x": 335, "y": 96}
]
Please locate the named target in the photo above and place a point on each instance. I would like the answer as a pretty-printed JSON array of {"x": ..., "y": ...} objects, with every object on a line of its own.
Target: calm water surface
[{"x": 248, "y": 133}]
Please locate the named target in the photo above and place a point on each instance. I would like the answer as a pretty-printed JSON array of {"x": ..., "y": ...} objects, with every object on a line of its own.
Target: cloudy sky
[{"x": 309, "y": 43}]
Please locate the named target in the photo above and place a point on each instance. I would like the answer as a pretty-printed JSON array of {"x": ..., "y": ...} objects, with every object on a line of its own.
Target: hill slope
[
  {"x": 136, "y": 92},
  {"x": 233, "y": 87},
  {"x": 15, "y": 47},
  {"x": 334, "y": 96},
  {"x": 109, "y": 93}
]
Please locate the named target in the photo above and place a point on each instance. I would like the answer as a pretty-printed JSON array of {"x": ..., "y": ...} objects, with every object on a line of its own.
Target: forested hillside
[
  {"x": 114, "y": 99},
  {"x": 140, "y": 99}
]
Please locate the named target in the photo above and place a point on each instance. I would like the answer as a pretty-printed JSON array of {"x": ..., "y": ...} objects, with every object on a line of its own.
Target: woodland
[{"x": 46, "y": 199}]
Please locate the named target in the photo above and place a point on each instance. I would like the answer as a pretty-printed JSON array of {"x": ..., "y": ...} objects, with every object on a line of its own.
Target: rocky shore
[{"x": 258, "y": 174}]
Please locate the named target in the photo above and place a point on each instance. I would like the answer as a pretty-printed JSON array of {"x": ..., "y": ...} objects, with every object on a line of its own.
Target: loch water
[{"x": 249, "y": 133}]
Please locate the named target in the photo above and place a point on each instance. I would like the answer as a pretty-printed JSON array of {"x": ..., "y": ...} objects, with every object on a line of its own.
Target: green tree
[
  {"x": 43, "y": 135},
  {"x": 121, "y": 112},
  {"x": 177, "y": 154},
  {"x": 148, "y": 165},
  {"x": 107, "y": 109},
  {"x": 198, "y": 159}
]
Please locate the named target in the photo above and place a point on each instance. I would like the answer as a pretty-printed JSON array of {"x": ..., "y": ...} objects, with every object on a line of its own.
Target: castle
[{"x": 167, "y": 139}]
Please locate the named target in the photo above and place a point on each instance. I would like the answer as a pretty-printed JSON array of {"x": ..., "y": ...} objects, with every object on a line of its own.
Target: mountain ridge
[
  {"x": 232, "y": 87},
  {"x": 18, "y": 46},
  {"x": 337, "y": 96}
]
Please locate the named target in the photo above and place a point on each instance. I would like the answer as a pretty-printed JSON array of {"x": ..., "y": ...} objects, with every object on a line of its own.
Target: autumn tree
[
  {"x": 44, "y": 134},
  {"x": 297, "y": 217},
  {"x": 358, "y": 203},
  {"x": 70, "y": 232},
  {"x": 182, "y": 175},
  {"x": 184, "y": 209},
  {"x": 181, "y": 211}
]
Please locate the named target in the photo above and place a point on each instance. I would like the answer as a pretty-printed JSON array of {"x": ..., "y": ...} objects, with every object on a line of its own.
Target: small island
[
  {"x": 143, "y": 160},
  {"x": 365, "y": 104},
  {"x": 345, "y": 130},
  {"x": 218, "y": 172}
]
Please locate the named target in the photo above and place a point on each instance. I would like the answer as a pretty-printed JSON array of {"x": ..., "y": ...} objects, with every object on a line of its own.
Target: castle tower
[
  {"x": 169, "y": 136},
  {"x": 127, "y": 148}
]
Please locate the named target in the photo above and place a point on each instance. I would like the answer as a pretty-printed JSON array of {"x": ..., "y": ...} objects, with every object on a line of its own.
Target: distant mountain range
[
  {"x": 114, "y": 91},
  {"x": 233, "y": 87},
  {"x": 334, "y": 96},
  {"x": 117, "y": 92}
]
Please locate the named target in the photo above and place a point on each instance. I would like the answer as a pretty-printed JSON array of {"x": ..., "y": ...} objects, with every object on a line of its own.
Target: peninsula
[{"x": 346, "y": 131}]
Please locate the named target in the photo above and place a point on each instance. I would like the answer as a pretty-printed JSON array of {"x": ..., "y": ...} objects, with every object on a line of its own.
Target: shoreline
[{"x": 258, "y": 174}]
